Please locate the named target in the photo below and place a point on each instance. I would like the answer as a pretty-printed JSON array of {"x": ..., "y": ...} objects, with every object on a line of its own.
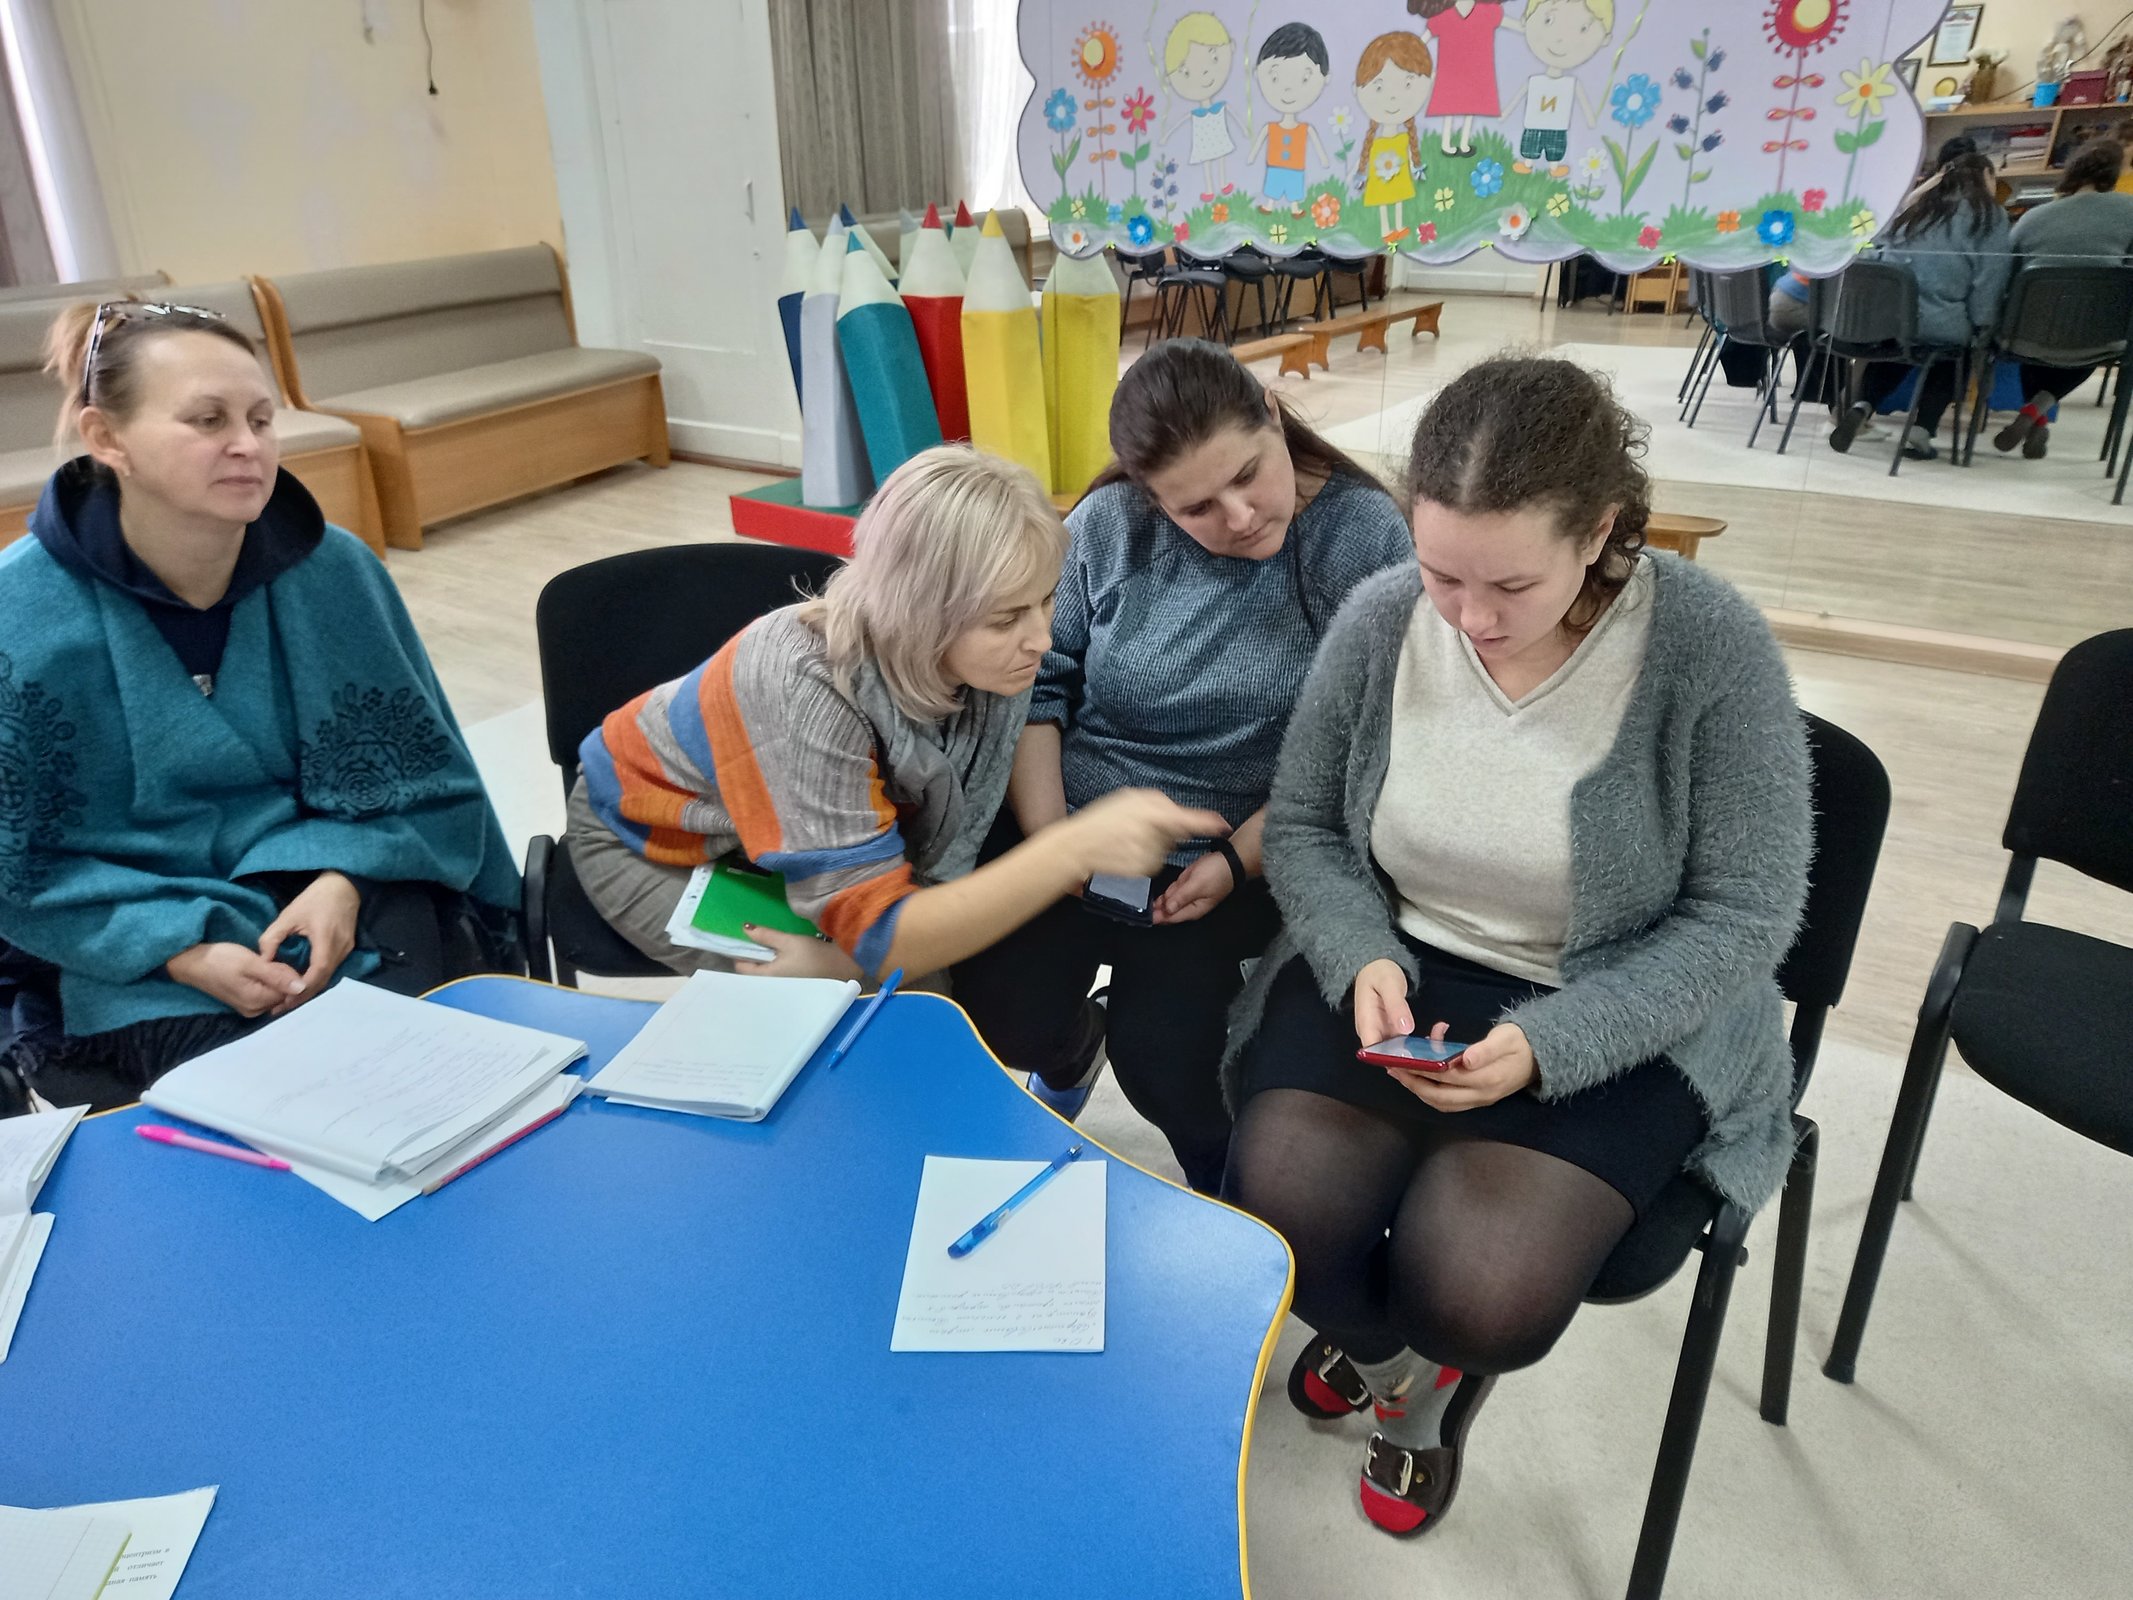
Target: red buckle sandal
[{"x": 1324, "y": 1386}]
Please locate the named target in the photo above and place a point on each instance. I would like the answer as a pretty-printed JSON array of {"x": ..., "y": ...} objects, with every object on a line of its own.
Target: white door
[{"x": 663, "y": 121}]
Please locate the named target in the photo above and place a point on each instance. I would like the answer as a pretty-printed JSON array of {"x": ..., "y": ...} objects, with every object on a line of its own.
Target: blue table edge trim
[{"x": 1274, "y": 1325}]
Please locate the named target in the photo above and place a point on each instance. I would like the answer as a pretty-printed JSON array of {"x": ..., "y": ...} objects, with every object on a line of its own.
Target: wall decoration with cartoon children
[{"x": 1539, "y": 128}]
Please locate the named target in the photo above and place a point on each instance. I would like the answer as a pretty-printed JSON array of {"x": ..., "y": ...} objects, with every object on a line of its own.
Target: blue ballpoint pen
[
  {"x": 866, "y": 1015},
  {"x": 991, "y": 1224}
]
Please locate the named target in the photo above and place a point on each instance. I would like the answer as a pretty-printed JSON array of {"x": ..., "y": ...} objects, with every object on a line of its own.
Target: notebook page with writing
[
  {"x": 1037, "y": 1284},
  {"x": 56, "y": 1555},
  {"x": 726, "y": 1045},
  {"x": 165, "y": 1529},
  {"x": 362, "y": 1081}
]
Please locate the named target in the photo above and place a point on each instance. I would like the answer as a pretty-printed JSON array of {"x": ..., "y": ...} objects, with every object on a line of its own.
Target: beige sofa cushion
[
  {"x": 23, "y": 474},
  {"x": 145, "y": 285},
  {"x": 375, "y": 327},
  {"x": 302, "y": 432},
  {"x": 477, "y": 391}
]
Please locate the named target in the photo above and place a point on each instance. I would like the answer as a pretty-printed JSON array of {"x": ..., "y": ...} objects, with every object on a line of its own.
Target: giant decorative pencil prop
[
  {"x": 932, "y": 286},
  {"x": 881, "y": 360},
  {"x": 800, "y": 252},
  {"x": 1001, "y": 364},
  {"x": 859, "y": 231},
  {"x": 1080, "y": 367},
  {"x": 833, "y": 464},
  {"x": 907, "y": 226},
  {"x": 965, "y": 237}
]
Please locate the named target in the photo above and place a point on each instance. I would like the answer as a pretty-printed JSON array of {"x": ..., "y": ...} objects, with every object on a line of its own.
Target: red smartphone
[{"x": 1414, "y": 1053}]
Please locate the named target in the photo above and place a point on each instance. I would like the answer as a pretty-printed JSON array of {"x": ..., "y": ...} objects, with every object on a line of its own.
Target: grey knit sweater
[{"x": 1689, "y": 852}]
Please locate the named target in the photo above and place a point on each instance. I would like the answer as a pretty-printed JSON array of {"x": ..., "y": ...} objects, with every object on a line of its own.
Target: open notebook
[
  {"x": 28, "y": 1147},
  {"x": 373, "y": 1088},
  {"x": 726, "y": 1045}
]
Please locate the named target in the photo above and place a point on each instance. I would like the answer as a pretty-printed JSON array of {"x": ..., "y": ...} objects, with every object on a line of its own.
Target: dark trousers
[
  {"x": 1167, "y": 1023},
  {"x": 2058, "y": 382},
  {"x": 1883, "y": 378}
]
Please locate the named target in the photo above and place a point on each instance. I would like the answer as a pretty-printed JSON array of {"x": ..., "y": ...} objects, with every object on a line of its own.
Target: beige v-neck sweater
[{"x": 1473, "y": 824}]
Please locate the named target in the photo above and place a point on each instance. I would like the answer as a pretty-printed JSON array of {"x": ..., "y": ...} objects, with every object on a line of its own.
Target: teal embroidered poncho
[{"x": 131, "y": 803}]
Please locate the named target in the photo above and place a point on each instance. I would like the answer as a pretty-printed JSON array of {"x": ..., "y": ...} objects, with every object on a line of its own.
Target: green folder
[{"x": 739, "y": 894}]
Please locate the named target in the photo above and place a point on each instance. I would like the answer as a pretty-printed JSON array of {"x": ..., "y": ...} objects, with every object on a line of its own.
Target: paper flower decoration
[
  {"x": 1593, "y": 165},
  {"x": 1804, "y": 25},
  {"x": 1141, "y": 231},
  {"x": 1776, "y": 228},
  {"x": 1863, "y": 223},
  {"x": 1059, "y": 112},
  {"x": 1728, "y": 222},
  {"x": 1218, "y": 212},
  {"x": 1814, "y": 199},
  {"x": 1096, "y": 54},
  {"x": 1077, "y": 240},
  {"x": 1648, "y": 237},
  {"x": 1426, "y": 233},
  {"x": 1277, "y": 233},
  {"x": 1865, "y": 89},
  {"x": 1635, "y": 102},
  {"x": 1487, "y": 177},
  {"x": 1326, "y": 210},
  {"x": 1139, "y": 108},
  {"x": 1445, "y": 199},
  {"x": 1559, "y": 204},
  {"x": 1514, "y": 223}
]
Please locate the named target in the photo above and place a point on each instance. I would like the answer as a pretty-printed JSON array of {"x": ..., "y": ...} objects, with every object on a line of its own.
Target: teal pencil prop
[
  {"x": 879, "y": 345},
  {"x": 866, "y": 1015},
  {"x": 990, "y": 1224}
]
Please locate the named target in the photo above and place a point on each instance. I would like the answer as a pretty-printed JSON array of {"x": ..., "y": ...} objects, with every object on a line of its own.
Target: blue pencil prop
[
  {"x": 866, "y": 1015},
  {"x": 990, "y": 1225}
]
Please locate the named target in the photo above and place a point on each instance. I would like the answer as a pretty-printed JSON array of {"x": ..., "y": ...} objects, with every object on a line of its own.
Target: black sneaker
[
  {"x": 2017, "y": 432},
  {"x": 1848, "y": 426},
  {"x": 2034, "y": 446}
]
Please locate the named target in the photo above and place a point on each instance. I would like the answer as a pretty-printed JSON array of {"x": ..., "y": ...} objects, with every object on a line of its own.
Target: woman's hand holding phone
[
  {"x": 1381, "y": 1010},
  {"x": 1494, "y": 1068}
]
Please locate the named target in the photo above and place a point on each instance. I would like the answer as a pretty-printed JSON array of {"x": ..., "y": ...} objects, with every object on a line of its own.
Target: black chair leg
[
  {"x": 533, "y": 906},
  {"x": 1817, "y": 361},
  {"x": 1986, "y": 372},
  {"x": 1925, "y": 1121},
  {"x": 1710, "y": 367},
  {"x": 1684, "y": 1411},
  {"x": 2114, "y": 435},
  {"x": 2125, "y": 466},
  {"x": 1921, "y": 372},
  {"x": 1773, "y": 375},
  {"x": 1788, "y": 1273},
  {"x": 1688, "y": 379},
  {"x": 1907, "y": 1128}
]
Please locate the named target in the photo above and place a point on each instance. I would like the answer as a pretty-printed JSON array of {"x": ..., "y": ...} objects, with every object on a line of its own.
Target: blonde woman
[{"x": 860, "y": 744}]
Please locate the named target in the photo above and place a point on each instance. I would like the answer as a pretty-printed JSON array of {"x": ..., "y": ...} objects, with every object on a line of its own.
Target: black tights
[{"x": 1471, "y": 1253}]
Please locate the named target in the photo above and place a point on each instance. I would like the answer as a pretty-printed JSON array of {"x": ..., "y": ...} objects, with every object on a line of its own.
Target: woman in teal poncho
[{"x": 228, "y": 775}]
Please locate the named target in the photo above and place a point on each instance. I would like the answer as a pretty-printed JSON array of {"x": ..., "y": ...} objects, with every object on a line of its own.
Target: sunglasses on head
[{"x": 114, "y": 312}]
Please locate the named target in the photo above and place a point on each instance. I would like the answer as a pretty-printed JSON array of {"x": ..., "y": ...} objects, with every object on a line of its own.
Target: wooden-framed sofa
[{"x": 466, "y": 378}]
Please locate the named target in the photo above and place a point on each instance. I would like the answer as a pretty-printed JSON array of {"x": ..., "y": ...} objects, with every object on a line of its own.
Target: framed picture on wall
[
  {"x": 1907, "y": 70},
  {"x": 1956, "y": 37}
]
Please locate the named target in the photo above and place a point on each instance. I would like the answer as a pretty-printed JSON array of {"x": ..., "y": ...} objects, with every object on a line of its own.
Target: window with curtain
[{"x": 991, "y": 85}]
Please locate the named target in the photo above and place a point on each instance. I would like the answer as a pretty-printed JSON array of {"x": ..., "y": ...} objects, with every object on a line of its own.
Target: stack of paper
[
  {"x": 725, "y": 1045},
  {"x": 375, "y": 1097},
  {"x": 134, "y": 1548},
  {"x": 28, "y": 1147}
]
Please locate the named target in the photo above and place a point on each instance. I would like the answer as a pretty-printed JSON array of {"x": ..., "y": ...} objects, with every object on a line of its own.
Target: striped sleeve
[{"x": 759, "y": 743}]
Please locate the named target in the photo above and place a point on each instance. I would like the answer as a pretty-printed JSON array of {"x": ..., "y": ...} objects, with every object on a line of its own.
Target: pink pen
[{"x": 210, "y": 1147}]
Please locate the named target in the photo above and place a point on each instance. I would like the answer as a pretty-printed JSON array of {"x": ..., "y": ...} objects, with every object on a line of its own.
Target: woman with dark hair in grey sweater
[{"x": 1547, "y": 794}]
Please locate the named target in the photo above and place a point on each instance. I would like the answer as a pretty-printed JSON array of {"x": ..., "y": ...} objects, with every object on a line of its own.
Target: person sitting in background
[
  {"x": 1206, "y": 562},
  {"x": 859, "y": 744},
  {"x": 228, "y": 774},
  {"x": 1954, "y": 238},
  {"x": 2087, "y": 221},
  {"x": 1961, "y": 145},
  {"x": 1549, "y": 793}
]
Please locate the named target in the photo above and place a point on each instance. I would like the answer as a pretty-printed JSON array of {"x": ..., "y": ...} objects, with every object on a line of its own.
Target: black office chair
[
  {"x": 1869, "y": 312},
  {"x": 1851, "y": 806},
  {"x": 1325, "y": 299},
  {"x": 1252, "y": 270},
  {"x": 1146, "y": 267},
  {"x": 1197, "y": 279},
  {"x": 2037, "y": 1011},
  {"x": 2063, "y": 316},
  {"x": 608, "y": 631},
  {"x": 1707, "y": 341},
  {"x": 1739, "y": 302}
]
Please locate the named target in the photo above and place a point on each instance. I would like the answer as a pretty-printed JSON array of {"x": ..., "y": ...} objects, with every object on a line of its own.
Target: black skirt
[{"x": 1635, "y": 1131}]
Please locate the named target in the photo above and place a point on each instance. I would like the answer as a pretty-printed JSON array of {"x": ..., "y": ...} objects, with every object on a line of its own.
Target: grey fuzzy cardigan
[{"x": 1689, "y": 848}]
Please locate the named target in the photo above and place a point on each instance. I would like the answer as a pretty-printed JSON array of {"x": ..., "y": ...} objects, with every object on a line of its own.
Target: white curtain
[
  {"x": 58, "y": 144},
  {"x": 991, "y": 87}
]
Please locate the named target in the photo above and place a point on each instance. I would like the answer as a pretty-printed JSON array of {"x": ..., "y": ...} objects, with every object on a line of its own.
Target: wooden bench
[
  {"x": 465, "y": 375},
  {"x": 1668, "y": 530},
  {"x": 1293, "y": 348},
  {"x": 1369, "y": 328}
]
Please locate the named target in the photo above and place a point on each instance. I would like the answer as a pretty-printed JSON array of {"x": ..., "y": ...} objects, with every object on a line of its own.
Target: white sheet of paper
[
  {"x": 28, "y": 1147},
  {"x": 56, "y": 1555},
  {"x": 362, "y": 1081},
  {"x": 15, "y": 1287},
  {"x": 1037, "y": 1284},
  {"x": 371, "y": 1201},
  {"x": 165, "y": 1529}
]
